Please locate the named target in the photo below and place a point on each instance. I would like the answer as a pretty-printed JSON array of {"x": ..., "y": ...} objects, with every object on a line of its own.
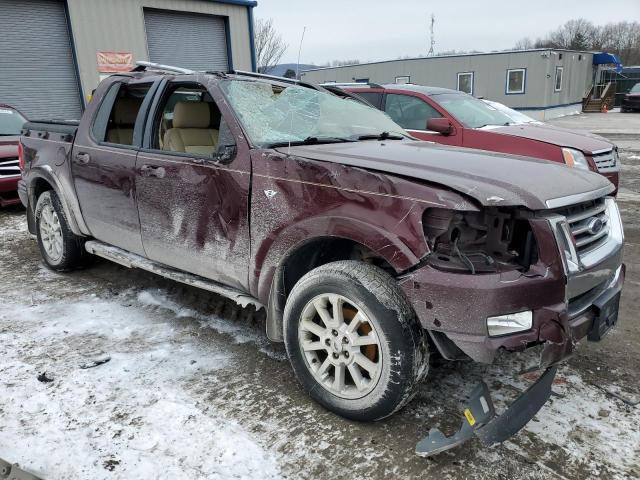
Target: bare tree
[
  {"x": 621, "y": 38},
  {"x": 269, "y": 45},
  {"x": 523, "y": 44}
]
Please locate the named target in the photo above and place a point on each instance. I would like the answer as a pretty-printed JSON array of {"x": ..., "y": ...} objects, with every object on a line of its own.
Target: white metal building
[
  {"x": 51, "y": 50},
  {"x": 543, "y": 83}
]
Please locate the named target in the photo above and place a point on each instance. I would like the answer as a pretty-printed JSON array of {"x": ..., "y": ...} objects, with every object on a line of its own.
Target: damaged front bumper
[
  {"x": 561, "y": 337},
  {"x": 480, "y": 417}
]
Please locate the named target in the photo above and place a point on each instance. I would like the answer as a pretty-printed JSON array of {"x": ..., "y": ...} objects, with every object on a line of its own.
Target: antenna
[
  {"x": 304, "y": 29},
  {"x": 433, "y": 38}
]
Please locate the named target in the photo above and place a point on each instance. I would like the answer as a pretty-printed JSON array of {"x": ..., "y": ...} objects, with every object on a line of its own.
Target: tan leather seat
[
  {"x": 190, "y": 132},
  {"x": 124, "y": 119}
]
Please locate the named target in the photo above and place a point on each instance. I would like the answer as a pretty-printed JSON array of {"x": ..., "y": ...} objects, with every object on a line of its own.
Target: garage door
[
  {"x": 37, "y": 73},
  {"x": 187, "y": 40}
]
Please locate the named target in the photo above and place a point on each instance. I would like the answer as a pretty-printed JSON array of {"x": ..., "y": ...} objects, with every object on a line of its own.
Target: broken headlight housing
[{"x": 487, "y": 241}]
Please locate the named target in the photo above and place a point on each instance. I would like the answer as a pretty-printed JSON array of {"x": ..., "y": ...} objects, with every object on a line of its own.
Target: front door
[
  {"x": 193, "y": 181},
  {"x": 103, "y": 165}
]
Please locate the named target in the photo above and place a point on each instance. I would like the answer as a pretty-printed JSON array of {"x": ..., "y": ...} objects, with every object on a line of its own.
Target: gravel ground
[{"x": 193, "y": 389}]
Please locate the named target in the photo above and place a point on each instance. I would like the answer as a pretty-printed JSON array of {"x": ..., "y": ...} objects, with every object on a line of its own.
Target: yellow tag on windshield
[{"x": 470, "y": 418}]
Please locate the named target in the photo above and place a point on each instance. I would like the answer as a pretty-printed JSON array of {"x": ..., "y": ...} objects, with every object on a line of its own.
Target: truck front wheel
[
  {"x": 354, "y": 341},
  {"x": 60, "y": 248}
]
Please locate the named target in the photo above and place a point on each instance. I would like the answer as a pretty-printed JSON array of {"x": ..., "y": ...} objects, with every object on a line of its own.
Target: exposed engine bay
[{"x": 487, "y": 241}]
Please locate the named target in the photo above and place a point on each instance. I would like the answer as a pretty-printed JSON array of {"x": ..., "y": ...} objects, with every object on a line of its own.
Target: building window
[
  {"x": 465, "y": 82},
  {"x": 557, "y": 86},
  {"x": 516, "y": 78},
  {"x": 402, "y": 80}
]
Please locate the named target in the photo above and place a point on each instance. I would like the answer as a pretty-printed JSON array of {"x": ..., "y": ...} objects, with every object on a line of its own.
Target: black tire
[
  {"x": 72, "y": 252},
  {"x": 402, "y": 342}
]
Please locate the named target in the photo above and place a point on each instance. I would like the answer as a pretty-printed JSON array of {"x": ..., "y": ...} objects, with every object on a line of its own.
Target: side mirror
[
  {"x": 225, "y": 153},
  {"x": 440, "y": 125}
]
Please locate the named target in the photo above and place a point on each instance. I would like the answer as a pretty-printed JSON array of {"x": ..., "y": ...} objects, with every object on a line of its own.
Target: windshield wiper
[
  {"x": 381, "y": 136},
  {"x": 310, "y": 141}
]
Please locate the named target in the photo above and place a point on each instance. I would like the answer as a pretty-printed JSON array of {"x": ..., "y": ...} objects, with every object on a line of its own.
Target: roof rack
[
  {"x": 273, "y": 77},
  {"x": 161, "y": 68},
  {"x": 352, "y": 84}
]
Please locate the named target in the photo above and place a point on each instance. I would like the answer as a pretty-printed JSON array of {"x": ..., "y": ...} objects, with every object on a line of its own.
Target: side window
[
  {"x": 516, "y": 79},
  {"x": 558, "y": 80},
  {"x": 189, "y": 121},
  {"x": 409, "y": 112},
  {"x": 116, "y": 117},
  {"x": 374, "y": 99},
  {"x": 465, "y": 82}
]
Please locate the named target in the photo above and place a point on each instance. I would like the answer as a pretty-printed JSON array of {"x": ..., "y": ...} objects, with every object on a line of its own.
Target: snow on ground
[
  {"x": 131, "y": 414},
  {"x": 193, "y": 389}
]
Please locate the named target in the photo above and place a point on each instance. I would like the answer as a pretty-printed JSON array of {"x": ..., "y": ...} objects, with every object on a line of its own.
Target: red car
[
  {"x": 11, "y": 121},
  {"x": 456, "y": 118}
]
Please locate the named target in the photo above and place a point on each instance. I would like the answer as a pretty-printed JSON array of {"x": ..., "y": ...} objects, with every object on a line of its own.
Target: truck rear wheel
[
  {"x": 354, "y": 341},
  {"x": 60, "y": 248}
]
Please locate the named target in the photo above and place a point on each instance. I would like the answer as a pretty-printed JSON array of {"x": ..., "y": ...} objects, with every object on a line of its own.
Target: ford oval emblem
[{"x": 595, "y": 226}]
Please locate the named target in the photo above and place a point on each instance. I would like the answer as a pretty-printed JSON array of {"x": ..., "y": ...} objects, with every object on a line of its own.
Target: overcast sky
[{"x": 379, "y": 30}]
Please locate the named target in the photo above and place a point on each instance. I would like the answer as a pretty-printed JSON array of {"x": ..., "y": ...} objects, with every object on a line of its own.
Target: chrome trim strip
[
  {"x": 604, "y": 150},
  {"x": 579, "y": 197}
]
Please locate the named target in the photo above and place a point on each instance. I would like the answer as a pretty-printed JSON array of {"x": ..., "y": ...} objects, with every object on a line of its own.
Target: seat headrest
[
  {"x": 191, "y": 115},
  {"x": 126, "y": 111}
]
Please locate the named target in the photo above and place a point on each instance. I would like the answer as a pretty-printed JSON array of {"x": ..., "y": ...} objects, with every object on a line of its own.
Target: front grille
[
  {"x": 606, "y": 161},
  {"x": 9, "y": 167},
  {"x": 588, "y": 223}
]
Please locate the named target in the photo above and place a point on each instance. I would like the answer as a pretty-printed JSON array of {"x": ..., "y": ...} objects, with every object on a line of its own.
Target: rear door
[
  {"x": 412, "y": 112},
  {"x": 193, "y": 179},
  {"x": 104, "y": 161}
]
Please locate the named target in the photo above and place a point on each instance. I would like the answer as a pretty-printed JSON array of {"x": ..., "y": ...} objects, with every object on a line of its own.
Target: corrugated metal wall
[
  {"x": 490, "y": 73},
  {"x": 118, "y": 25},
  {"x": 37, "y": 74},
  {"x": 188, "y": 40}
]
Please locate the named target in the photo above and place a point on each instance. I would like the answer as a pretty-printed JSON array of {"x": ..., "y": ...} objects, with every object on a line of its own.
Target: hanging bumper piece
[{"x": 480, "y": 417}]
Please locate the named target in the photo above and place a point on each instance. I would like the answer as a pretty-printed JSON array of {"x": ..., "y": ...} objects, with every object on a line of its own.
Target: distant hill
[{"x": 280, "y": 70}]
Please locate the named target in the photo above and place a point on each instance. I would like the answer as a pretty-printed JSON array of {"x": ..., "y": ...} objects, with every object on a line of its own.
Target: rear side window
[
  {"x": 409, "y": 112},
  {"x": 10, "y": 121},
  {"x": 116, "y": 117},
  {"x": 373, "y": 98}
]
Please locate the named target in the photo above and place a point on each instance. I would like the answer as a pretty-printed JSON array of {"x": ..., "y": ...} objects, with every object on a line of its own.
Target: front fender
[{"x": 275, "y": 251}]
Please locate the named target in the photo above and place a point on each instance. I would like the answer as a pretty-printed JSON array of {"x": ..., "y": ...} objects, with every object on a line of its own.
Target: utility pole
[{"x": 433, "y": 38}]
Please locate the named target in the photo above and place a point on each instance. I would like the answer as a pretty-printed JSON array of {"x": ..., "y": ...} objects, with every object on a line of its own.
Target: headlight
[
  {"x": 575, "y": 158},
  {"x": 510, "y": 323}
]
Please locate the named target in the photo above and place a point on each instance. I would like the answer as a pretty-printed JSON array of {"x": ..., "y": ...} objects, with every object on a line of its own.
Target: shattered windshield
[{"x": 274, "y": 115}]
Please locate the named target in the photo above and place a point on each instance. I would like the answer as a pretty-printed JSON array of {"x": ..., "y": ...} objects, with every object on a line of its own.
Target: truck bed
[{"x": 64, "y": 129}]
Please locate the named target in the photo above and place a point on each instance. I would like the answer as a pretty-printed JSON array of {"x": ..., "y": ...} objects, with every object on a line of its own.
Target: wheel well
[
  {"x": 305, "y": 258},
  {"x": 40, "y": 185},
  {"x": 326, "y": 250}
]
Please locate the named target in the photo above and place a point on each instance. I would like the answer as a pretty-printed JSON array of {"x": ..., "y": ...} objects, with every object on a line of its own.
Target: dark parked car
[
  {"x": 631, "y": 101},
  {"x": 367, "y": 248},
  {"x": 456, "y": 118},
  {"x": 11, "y": 121}
]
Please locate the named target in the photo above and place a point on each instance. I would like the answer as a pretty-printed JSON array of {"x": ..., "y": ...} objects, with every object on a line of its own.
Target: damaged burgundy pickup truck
[{"x": 368, "y": 249}]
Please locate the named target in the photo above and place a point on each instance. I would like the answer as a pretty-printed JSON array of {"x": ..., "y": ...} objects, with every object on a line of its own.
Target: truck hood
[
  {"x": 9, "y": 146},
  {"x": 563, "y": 137},
  {"x": 489, "y": 178}
]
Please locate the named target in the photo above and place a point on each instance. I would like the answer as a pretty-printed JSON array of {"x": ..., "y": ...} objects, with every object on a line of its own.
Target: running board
[{"x": 131, "y": 260}]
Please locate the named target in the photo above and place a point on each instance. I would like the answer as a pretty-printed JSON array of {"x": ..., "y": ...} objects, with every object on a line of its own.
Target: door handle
[
  {"x": 151, "y": 171},
  {"x": 83, "y": 158}
]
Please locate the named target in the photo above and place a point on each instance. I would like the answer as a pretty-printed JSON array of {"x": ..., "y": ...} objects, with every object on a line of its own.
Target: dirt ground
[{"x": 193, "y": 389}]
